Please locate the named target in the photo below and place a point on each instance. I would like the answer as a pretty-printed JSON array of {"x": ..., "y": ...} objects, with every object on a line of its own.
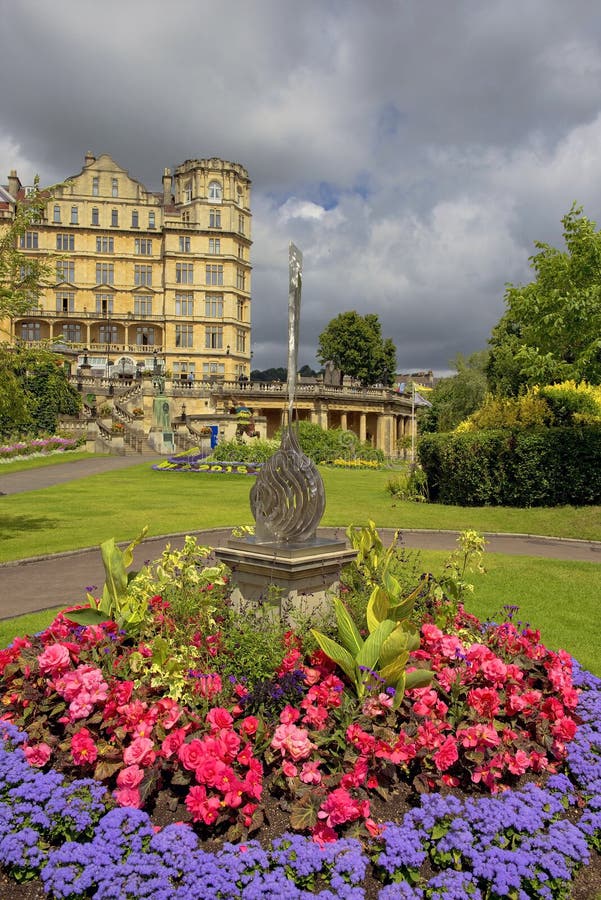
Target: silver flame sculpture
[{"x": 288, "y": 498}]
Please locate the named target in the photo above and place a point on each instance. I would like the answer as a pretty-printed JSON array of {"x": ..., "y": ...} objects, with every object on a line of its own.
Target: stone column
[
  {"x": 343, "y": 421},
  {"x": 362, "y": 427}
]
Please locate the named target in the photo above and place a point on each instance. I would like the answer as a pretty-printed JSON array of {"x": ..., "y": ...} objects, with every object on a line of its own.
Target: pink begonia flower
[
  {"x": 192, "y": 755},
  {"x": 54, "y": 660},
  {"x": 130, "y": 777},
  {"x": 293, "y": 741},
  {"x": 249, "y": 725},
  {"x": 289, "y": 715},
  {"x": 37, "y": 754},
  {"x": 219, "y": 718},
  {"x": 173, "y": 742},
  {"x": 289, "y": 769},
  {"x": 340, "y": 807},
  {"x": 310, "y": 773},
  {"x": 83, "y": 748},
  {"x": 201, "y": 807},
  {"x": 323, "y": 834},
  {"x": 140, "y": 752},
  {"x": 128, "y": 797},
  {"x": 446, "y": 755}
]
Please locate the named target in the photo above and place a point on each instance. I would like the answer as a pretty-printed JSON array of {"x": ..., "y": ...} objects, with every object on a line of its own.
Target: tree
[
  {"x": 454, "y": 398},
  {"x": 22, "y": 277},
  {"x": 355, "y": 345},
  {"x": 551, "y": 329}
]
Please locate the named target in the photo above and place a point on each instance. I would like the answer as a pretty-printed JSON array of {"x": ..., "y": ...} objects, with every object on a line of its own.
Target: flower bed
[
  {"x": 197, "y": 462},
  {"x": 37, "y": 447},
  {"x": 187, "y": 732}
]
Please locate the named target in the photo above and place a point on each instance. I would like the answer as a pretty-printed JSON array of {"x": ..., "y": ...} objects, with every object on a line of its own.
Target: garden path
[{"x": 43, "y": 582}]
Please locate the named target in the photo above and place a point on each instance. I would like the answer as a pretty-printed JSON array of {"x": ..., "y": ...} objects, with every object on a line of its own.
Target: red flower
[
  {"x": 485, "y": 701},
  {"x": 83, "y": 748},
  {"x": 446, "y": 755}
]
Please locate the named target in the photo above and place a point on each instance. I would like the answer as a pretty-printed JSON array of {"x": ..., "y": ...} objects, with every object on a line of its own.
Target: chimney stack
[
  {"x": 89, "y": 158},
  {"x": 14, "y": 184},
  {"x": 167, "y": 196}
]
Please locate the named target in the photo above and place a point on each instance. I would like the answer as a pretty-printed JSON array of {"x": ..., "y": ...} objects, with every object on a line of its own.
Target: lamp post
[{"x": 155, "y": 362}]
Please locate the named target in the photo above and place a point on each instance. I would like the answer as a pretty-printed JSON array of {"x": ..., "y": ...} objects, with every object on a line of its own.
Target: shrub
[{"x": 239, "y": 451}]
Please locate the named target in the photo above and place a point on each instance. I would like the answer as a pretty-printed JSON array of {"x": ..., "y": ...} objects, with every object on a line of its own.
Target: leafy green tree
[
  {"x": 22, "y": 276},
  {"x": 551, "y": 329},
  {"x": 355, "y": 345},
  {"x": 454, "y": 398}
]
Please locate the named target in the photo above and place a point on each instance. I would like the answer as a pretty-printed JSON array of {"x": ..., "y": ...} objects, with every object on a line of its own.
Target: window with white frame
[
  {"x": 95, "y": 218},
  {"x": 145, "y": 336},
  {"x": 65, "y": 301},
  {"x": 241, "y": 224},
  {"x": 240, "y": 341},
  {"x": 104, "y": 304},
  {"x": 215, "y": 218},
  {"x": 214, "y": 306},
  {"x": 142, "y": 306},
  {"x": 143, "y": 247},
  {"x": 143, "y": 275},
  {"x": 186, "y": 217},
  {"x": 29, "y": 240},
  {"x": 214, "y": 337},
  {"x": 214, "y": 245},
  {"x": 95, "y": 186},
  {"x": 240, "y": 309},
  {"x": 72, "y": 332},
  {"x": 107, "y": 333},
  {"x": 151, "y": 220},
  {"x": 210, "y": 369},
  {"x": 65, "y": 270},
  {"x": 105, "y": 273},
  {"x": 31, "y": 331},
  {"x": 184, "y": 304},
  {"x": 184, "y": 335},
  {"x": 74, "y": 215},
  {"x": 105, "y": 244},
  {"x": 182, "y": 369},
  {"x": 184, "y": 273},
  {"x": 115, "y": 187},
  {"x": 56, "y": 214},
  {"x": 215, "y": 192},
  {"x": 184, "y": 244},
  {"x": 115, "y": 218},
  {"x": 240, "y": 279},
  {"x": 188, "y": 192},
  {"x": 135, "y": 218},
  {"x": 65, "y": 242},
  {"x": 214, "y": 274}
]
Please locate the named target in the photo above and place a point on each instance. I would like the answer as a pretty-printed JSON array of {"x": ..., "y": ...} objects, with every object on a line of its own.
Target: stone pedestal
[
  {"x": 285, "y": 577},
  {"x": 161, "y": 441}
]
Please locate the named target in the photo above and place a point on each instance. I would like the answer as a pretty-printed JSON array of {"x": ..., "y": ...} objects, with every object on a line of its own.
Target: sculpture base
[
  {"x": 161, "y": 441},
  {"x": 285, "y": 578}
]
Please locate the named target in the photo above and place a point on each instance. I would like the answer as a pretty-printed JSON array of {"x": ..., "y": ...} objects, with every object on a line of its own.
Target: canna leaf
[
  {"x": 370, "y": 651},
  {"x": 347, "y": 630},
  {"x": 418, "y": 678},
  {"x": 377, "y": 608},
  {"x": 338, "y": 654}
]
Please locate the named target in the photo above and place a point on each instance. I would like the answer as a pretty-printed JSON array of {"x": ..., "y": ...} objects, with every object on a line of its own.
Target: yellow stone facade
[{"x": 146, "y": 280}]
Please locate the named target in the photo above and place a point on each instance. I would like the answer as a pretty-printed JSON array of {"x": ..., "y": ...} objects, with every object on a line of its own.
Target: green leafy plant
[{"x": 451, "y": 588}]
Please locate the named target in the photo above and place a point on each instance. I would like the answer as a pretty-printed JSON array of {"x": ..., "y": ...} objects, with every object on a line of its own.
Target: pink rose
[
  {"x": 37, "y": 754},
  {"x": 130, "y": 777},
  {"x": 54, "y": 660},
  {"x": 140, "y": 752}
]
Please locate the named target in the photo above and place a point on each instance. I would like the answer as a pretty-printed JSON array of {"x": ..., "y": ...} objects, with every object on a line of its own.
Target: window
[
  {"x": 72, "y": 332},
  {"x": 65, "y": 270},
  {"x": 186, "y": 217},
  {"x": 30, "y": 331},
  {"x": 145, "y": 336},
  {"x": 214, "y": 306},
  {"x": 215, "y": 192},
  {"x": 241, "y": 224},
  {"x": 214, "y": 274},
  {"x": 142, "y": 306},
  {"x": 29, "y": 240},
  {"x": 240, "y": 251},
  {"x": 115, "y": 218},
  {"x": 104, "y": 305},
  {"x": 105, "y": 273},
  {"x": 181, "y": 370},
  {"x": 184, "y": 336},
  {"x": 94, "y": 215},
  {"x": 56, "y": 215},
  {"x": 107, "y": 334},
  {"x": 184, "y": 304},
  {"x": 240, "y": 341},
  {"x": 151, "y": 220},
  {"x": 214, "y": 245},
  {"x": 184, "y": 245},
  {"x": 184, "y": 273},
  {"x": 143, "y": 247},
  {"x": 105, "y": 244},
  {"x": 65, "y": 242},
  {"x": 240, "y": 279},
  {"x": 115, "y": 187},
  {"x": 65, "y": 301},
  {"x": 134, "y": 218},
  {"x": 215, "y": 218},
  {"x": 74, "y": 215},
  {"x": 240, "y": 309},
  {"x": 214, "y": 337},
  {"x": 188, "y": 192},
  {"x": 212, "y": 368},
  {"x": 143, "y": 275},
  {"x": 95, "y": 186},
  {"x": 239, "y": 196}
]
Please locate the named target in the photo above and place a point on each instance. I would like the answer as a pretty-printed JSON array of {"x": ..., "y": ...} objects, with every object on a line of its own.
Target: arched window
[{"x": 215, "y": 192}]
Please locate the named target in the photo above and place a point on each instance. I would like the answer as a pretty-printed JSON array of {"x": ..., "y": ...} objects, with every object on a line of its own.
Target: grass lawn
[{"x": 54, "y": 459}]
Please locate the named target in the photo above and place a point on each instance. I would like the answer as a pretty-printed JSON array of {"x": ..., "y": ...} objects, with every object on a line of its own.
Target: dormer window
[{"x": 115, "y": 187}]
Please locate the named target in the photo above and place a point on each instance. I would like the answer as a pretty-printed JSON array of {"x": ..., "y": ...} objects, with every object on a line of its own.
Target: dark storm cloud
[{"x": 414, "y": 149}]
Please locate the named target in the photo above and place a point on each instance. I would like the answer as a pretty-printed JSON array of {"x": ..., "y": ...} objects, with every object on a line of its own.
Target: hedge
[{"x": 533, "y": 467}]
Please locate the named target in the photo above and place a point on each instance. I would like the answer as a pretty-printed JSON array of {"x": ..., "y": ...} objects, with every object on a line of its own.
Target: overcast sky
[{"x": 413, "y": 149}]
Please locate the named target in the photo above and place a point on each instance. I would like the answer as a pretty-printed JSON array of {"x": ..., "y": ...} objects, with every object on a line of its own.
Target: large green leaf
[
  {"x": 377, "y": 608},
  {"x": 347, "y": 630},
  {"x": 395, "y": 644},
  {"x": 370, "y": 651},
  {"x": 337, "y": 653},
  {"x": 394, "y": 670},
  {"x": 418, "y": 678},
  {"x": 86, "y": 616}
]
